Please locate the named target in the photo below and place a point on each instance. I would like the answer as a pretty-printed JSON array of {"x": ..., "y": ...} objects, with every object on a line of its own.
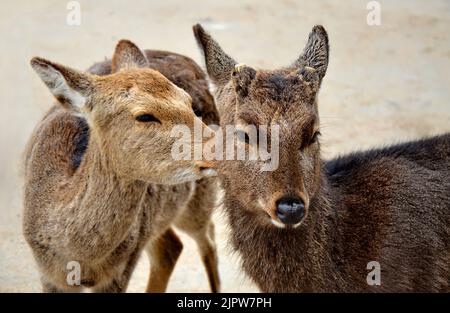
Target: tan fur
[{"x": 122, "y": 193}]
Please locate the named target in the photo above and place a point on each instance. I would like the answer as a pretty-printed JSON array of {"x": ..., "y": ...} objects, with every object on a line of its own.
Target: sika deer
[
  {"x": 311, "y": 225},
  {"x": 186, "y": 74},
  {"x": 100, "y": 182}
]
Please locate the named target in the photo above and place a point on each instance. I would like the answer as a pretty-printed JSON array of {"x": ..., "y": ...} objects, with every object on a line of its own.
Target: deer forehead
[
  {"x": 284, "y": 87},
  {"x": 142, "y": 90},
  {"x": 141, "y": 81}
]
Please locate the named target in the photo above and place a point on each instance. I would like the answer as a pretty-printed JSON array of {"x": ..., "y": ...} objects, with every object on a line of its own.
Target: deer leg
[
  {"x": 203, "y": 234},
  {"x": 163, "y": 254},
  {"x": 208, "y": 253},
  {"x": 196, "y": 222}
]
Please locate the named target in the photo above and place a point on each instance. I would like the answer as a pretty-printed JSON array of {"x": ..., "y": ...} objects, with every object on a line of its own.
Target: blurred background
[{"x": 385, "y": 83}]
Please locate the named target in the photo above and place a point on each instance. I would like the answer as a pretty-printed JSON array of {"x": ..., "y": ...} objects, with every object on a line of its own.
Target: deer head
[
  {"x": 130, "y": 114},
  {"x": 285, "y": 97}
]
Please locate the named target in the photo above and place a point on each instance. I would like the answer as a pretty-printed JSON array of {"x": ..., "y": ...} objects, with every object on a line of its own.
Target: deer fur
[
  {"x": 183, "y": 72},
  {"x": 390, "y": 205},
  {"x": 101, "y": 185}
]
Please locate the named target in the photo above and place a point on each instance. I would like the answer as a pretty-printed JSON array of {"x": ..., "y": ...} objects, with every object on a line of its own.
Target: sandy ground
[{"x": 384, "y": 84}]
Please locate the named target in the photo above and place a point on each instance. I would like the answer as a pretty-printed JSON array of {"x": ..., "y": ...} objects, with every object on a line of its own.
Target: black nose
[{"x": 290, "y": 210}]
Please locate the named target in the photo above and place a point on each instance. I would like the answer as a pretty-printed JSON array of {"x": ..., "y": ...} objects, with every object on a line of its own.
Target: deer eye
[
  {"x": 307, "y": 142},
  {"x": 145, "y": 118},
  {"x": 315, "y": 137},
  {"x": 243, "y": 136},
  {"x": 197, "y": 111}
]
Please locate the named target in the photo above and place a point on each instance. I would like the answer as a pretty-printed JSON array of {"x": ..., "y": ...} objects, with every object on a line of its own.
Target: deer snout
[{"x": 290, "y": 210}]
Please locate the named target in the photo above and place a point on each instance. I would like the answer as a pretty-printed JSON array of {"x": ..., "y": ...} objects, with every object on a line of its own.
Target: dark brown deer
[
  {"x": 312, "y": 225},
  {"x": 101, "y": 185}
]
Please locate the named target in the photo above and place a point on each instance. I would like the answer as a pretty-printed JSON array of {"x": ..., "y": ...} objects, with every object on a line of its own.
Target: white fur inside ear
[{"x": 59, "y": 87}]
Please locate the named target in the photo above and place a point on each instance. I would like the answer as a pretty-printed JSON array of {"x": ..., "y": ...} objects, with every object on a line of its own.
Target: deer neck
[{"x": 107, "y": 204}]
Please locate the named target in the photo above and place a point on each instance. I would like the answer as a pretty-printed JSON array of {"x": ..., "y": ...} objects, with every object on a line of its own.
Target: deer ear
[
  {"x": 218, "y": 64},
  {"x": 315, "y": 54},
  {"x": 242, "y": 77},
  {"x": 69, "y": 86},
  {"x": 127, "y": 55}
]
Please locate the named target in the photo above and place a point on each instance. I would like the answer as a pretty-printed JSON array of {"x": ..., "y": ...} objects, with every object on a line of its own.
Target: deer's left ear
[
  {"x": 127, "y": 55},
  {"x": 315, "y": 55}
]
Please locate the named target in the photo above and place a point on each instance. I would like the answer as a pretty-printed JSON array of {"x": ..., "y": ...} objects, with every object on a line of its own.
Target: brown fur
[
  {"x": 389, "y": 205},
  {"x": 101, "y": 187},
  {"x": 183, "y": 72}
]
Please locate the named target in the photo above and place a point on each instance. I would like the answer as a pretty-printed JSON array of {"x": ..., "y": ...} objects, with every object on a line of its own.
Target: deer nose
[{"x": 290, "y": 210}]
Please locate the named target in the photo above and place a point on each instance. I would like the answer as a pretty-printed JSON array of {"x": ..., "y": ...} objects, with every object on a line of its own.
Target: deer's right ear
[
  {"x": 316, "y": 52},
  {"x": 218, "y": 64},
  {"x": 127, "y": 55},
  {"x": 69, "y": 86}
]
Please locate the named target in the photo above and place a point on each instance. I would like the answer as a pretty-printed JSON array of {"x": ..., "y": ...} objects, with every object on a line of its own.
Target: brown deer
[
  {"x": 101, "y": 184},
  {"x": 314, "y": 226},
  {"x": 183, "y": 72}
]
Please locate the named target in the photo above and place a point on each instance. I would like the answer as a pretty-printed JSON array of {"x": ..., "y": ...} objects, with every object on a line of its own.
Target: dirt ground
[{"x": 384, "y": 84}]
